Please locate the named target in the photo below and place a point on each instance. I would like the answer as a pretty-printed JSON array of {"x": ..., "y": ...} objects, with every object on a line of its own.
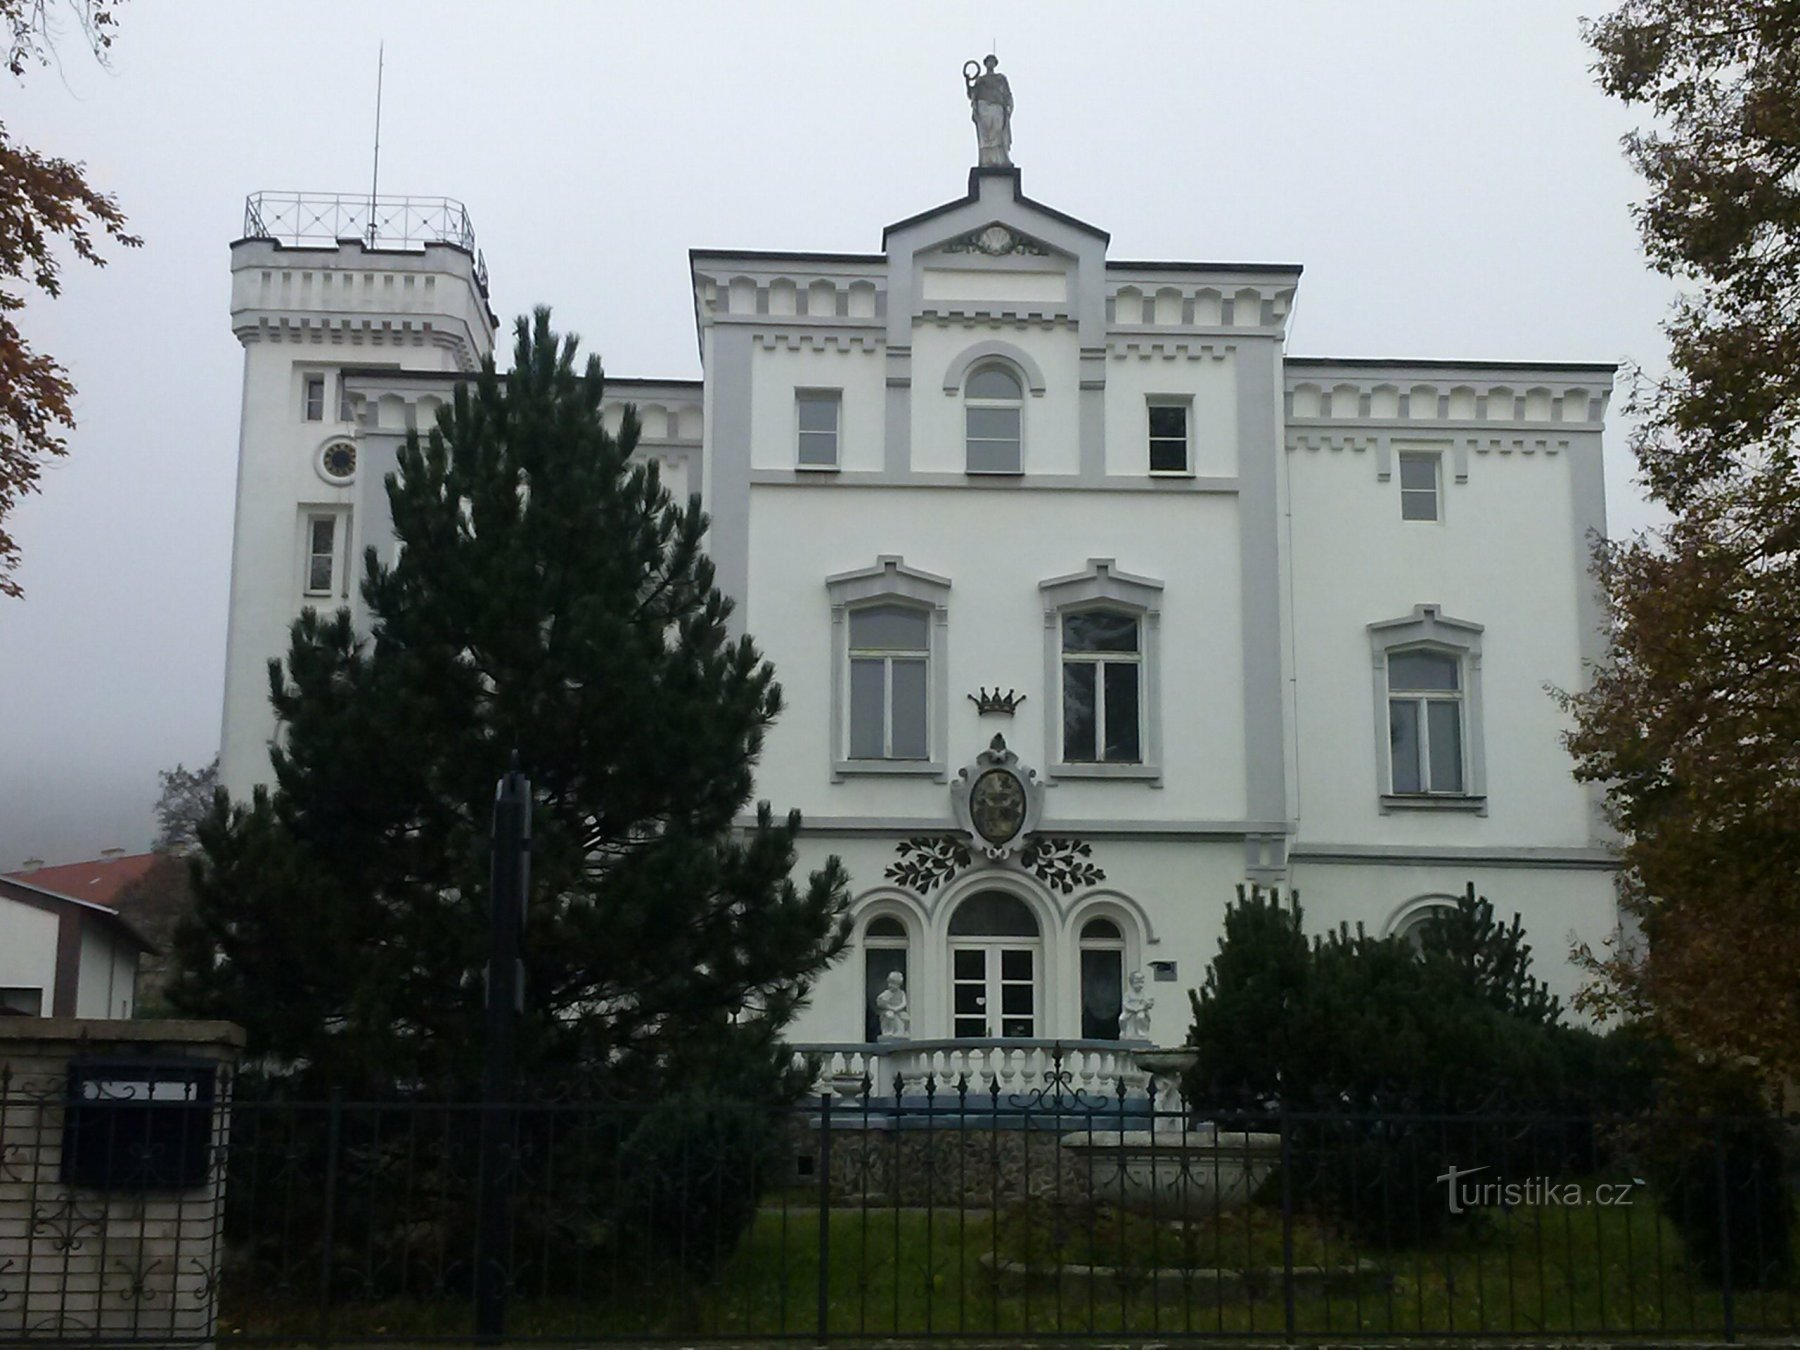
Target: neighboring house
[
  {"x": 65, "y": 951},
  {"x": 1237, "y": 615}
]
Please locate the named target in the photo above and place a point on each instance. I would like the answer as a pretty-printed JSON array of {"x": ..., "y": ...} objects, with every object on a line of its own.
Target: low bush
[{"x": 692, "y": 1173}]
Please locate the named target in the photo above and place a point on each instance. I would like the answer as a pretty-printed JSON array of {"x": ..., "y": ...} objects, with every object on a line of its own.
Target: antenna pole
[{"x": 375, "y": 177}]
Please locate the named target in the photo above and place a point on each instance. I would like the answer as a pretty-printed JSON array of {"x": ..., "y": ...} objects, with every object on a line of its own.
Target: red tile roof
[{"x": 99, "y": 880}]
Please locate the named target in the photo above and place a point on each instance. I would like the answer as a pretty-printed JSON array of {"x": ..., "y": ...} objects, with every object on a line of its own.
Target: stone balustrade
[{"x": 1007, "y": 1068}]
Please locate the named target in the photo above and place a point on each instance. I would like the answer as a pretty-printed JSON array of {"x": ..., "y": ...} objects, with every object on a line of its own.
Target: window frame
[
  {"x": 1121, "y": 945},
  {"x": 1103, "y": 586},
  {"x": 339, "y": 584},
  {"x": 1185, "y": 404},
  {"x": 869, "y": 942},
  {"x": 1101, "y": 660},
  {"x": 346, "y": 411},
  {"x": 312, "y": 409},
  {"x": 819, "y": 394},
  {"x": 1429, "y": 629},
  {"x": 1422, "y": 700},
  {"x": 890, "y": 581},
  {"x": 971, "y": 403},
  {"x": 887, "y": 656},
  {"x": 1436, "y": 461}
]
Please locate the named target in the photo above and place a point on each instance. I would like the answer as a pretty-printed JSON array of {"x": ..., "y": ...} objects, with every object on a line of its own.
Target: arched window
[
  {"x": 994, "y": 958},
  {"x": 993, "y": 412},
  {"x": 884, "y": 954},
  {"x": 1102, "y": 979},
  {"x": 1411, "y": 929}
]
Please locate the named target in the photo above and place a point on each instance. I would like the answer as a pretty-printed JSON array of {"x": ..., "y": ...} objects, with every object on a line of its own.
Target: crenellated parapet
[
  {"x": 1501, "y": 409},
  {"x": 816, "y": 288},
  {"x": 348, "y": 295},
  {"x": 1145, "y": 297}
]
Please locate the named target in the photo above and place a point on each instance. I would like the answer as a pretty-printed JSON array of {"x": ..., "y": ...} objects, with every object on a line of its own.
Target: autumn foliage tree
[
  {"x": 46, "y": 203},
  {"x": 1693, "y": 722}
]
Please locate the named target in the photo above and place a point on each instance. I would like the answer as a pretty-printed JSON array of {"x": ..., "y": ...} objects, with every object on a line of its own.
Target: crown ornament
[{"x": 997, "y": 702}]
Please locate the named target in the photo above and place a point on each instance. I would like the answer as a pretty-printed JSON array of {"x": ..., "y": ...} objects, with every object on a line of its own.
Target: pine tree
[
  {"x": 550, "y": 599},
  {"x": 1490, "y": 959}
]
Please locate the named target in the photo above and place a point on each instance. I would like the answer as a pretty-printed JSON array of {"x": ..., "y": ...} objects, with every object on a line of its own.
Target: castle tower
[{"x": 356, "y": 316}]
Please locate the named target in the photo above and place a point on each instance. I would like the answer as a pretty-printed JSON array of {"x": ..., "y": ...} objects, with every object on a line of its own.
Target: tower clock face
[{"x": 997, "y": 805}]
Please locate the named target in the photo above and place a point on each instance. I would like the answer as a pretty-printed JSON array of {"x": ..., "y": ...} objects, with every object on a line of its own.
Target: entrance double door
[{"x": 993, "y": 990}]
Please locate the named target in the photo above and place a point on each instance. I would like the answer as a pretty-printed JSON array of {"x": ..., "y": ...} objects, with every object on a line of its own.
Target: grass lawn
[{"x": 1551, "y": 1270}]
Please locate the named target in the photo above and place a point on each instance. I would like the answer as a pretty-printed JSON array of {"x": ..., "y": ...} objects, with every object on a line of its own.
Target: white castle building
[{"x": 1090, "y": 601}]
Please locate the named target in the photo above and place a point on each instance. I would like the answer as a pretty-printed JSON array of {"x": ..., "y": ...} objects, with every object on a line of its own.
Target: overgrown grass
[{"x": 1548, "y": 1270}]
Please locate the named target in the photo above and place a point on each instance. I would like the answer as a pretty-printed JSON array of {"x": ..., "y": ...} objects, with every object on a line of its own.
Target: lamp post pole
[{"x": 505, "y": 1001}]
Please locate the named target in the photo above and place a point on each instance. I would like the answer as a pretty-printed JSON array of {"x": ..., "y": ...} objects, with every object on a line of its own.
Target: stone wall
[
  {"x": 81, "y": 1263},
  {"x": 980, "y": 1167}
]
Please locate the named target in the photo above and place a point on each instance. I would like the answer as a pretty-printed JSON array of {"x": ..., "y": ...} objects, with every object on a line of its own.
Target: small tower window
[{"x": 993, "y": 410}]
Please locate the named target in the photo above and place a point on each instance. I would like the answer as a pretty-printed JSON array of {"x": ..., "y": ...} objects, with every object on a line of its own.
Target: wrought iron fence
[
  {"x": 326, "y": 218},
  {"x": 955, "y": 1208}
]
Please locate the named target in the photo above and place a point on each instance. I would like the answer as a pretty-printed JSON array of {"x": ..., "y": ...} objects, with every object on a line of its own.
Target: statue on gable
[{"x": 991, "y": 105}]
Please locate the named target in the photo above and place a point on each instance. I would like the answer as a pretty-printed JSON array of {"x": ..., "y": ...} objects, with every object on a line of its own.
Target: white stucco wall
[
  {"x": 108, "y": 980},
  {"x": 27, "y": 948},
  {"x": 1051, "y": 421},
  {"x": 1504, "y": 555},
  {"x": 995, "y": 547}
]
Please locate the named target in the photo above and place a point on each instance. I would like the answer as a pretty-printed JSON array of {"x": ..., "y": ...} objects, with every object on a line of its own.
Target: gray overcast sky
[{"x": 1447, "y": 173}]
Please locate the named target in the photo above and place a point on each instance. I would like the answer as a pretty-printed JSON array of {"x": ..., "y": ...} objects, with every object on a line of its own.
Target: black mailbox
[{"x": 138, "y": 1124}]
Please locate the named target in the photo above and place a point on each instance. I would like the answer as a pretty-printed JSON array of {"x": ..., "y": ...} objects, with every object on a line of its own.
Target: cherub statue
[
  {"x": 891, "y": 1007},
  {"x": 1134, "y": 1015}
]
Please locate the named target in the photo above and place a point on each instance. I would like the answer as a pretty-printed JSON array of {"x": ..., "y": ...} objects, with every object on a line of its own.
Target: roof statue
[{"x": 991, "y": 105}]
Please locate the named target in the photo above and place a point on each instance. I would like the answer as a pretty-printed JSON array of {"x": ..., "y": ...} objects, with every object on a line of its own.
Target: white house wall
[
  {"x": 28, "y": 948},
  {"x": 800, "y": 535},
  {"x": 108, "y": 980}
]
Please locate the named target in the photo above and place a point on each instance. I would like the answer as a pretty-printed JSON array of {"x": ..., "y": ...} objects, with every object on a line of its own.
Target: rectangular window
[
  {"x": 817, "y": 414},
  {"x": 1425, "y": 728},
  {"x": 889, "y": 702},
  {"x": 321, "y": 554},
  {"x": 24, "y": 1000},
  {"x": 315, "y": 398},
  {"x": 1419, "y": 487},
  {"x": 1169, "y": 438},
  {"x": 346, "y": 413},
  {"x": 1102, "y": 688}
]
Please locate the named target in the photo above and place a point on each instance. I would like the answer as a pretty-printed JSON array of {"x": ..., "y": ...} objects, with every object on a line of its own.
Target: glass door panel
[
  {"x": 969, "y": 992},
  {"x": 1018, "y": 991}
]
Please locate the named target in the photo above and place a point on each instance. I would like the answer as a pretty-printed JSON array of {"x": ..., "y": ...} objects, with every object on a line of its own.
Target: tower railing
[{"x": 327, "y": 218}]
